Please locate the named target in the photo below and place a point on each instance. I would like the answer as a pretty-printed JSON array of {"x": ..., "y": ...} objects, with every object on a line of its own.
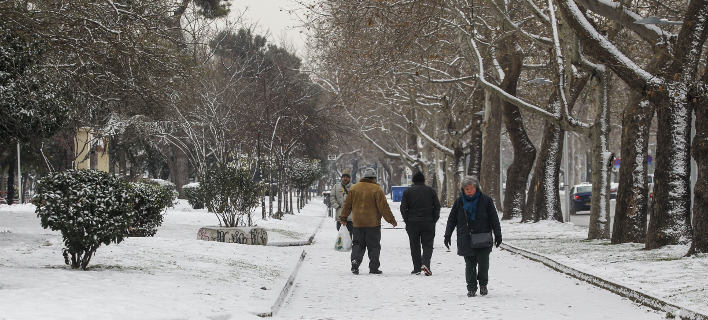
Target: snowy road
[{"x": 518, "y": 289}]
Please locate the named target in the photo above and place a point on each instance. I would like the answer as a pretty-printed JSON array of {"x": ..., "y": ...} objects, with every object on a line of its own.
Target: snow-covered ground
[{"x": 175, "y": 276}]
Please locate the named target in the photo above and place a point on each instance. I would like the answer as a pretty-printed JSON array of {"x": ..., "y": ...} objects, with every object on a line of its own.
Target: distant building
[{"x": 91, "y": 150}]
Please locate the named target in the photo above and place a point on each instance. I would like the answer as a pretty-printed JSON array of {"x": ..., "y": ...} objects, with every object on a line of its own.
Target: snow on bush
[
  {"x": 89, "y": 207},
  {"x": 149, "y": 204},
  {"x": 193, "y": 194},
  {"x": 304, "y": 172},
  {"x": 169, "y": 186},
  {"x": 231, "y": 194}
]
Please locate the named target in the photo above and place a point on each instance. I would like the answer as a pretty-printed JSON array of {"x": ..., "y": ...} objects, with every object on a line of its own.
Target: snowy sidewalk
[{"x": 519, "y": 288}]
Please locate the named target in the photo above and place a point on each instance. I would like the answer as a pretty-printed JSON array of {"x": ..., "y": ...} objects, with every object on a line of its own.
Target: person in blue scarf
[{"x": 473, "y": 213}]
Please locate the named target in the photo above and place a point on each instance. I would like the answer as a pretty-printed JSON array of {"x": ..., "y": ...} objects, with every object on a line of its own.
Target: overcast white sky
[{"x": 273, "y": 15}]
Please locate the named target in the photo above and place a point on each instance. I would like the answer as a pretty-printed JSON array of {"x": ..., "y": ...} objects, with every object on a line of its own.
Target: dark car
[{"x": 580, "y": 198}]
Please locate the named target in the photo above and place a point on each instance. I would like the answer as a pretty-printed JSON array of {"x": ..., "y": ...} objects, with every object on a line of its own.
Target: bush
[
  {"x": 167, "y": 185},
  {"x": 149, "y": 204},
  {"x": 89, "y": 207},
  {"x": 231, "y": 194},
  {"x": 193, "y": 194}
]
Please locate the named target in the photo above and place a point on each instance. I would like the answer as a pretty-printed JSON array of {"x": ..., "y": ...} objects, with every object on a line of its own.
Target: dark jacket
[
  {"x": 420, "y": 203},
  {"x": 486, "y": 220}
]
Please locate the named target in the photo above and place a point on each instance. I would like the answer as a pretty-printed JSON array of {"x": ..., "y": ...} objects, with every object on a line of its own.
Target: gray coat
[
  {"x": 486, "y": 220},
  {"x": 337, "y": 196}
]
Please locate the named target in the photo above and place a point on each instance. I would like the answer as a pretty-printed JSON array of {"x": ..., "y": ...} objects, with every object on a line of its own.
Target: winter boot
[
  {"x": 471, "y": 293},
  {"x": 483, "y": 290},
  {"x": 355, "y": 267},
  {"x": 426, "y": 270},
  {"x": 375, "y": 271},
  {"x": 416, "y": 272}
]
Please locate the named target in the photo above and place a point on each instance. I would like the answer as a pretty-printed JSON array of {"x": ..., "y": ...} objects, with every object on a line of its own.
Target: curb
[
  {"x": 288, "y": 284},
  {"x": 298, "y": 243},
  {"x": 285, "y": 291},
  {"x": 632, "y": 294}
]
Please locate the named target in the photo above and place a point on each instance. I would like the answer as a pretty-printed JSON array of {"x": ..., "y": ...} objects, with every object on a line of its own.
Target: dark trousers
[
  {"x": 477, "y": 269},
  {"x": 421, "y": 233},
  {"x": 367, "y": 239},
  {"x": 350, "y": 226}
]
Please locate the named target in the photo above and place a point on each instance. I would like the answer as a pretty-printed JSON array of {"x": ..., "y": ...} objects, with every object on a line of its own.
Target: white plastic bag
[{"x": 344, "y": 241}]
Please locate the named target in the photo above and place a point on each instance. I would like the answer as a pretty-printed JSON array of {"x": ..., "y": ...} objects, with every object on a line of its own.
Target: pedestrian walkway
[{"x": 518, "y": 289}]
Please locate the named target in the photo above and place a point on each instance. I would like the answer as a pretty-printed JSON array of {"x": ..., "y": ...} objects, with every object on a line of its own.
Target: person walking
[
  {"x": 367, "y": 204},
  {"x": 338, "y": 196},
  {"x": 475, "y": 217},
  {"x": 420, "y": 209}
]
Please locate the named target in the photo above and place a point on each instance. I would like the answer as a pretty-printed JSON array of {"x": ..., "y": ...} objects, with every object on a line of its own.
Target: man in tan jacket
[{"x": 366, "y": 202}]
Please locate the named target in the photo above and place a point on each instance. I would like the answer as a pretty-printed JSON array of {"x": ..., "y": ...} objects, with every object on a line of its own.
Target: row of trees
[
  {"x": 172, "y": 89},
  {"x": 413, "y": 76}
]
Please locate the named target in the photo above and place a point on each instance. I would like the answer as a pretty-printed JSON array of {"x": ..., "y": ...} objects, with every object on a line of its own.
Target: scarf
[
  {"x": 344, "y": 189},
  {"x": 470, "y": 204}
]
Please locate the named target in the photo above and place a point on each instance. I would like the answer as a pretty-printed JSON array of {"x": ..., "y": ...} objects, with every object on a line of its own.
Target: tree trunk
[
  {"x": 524, "y": 152},
  {"x": 489, "y": 178},
  {"x": 518, "y": 173},
  {"x": 700, "y": 190},
  {"x": 630, "y": 224},
  {"x": 546, "y": 200},
  {"x": 355, "y": 168},
  {"x": 599, "y": 227},
  {"x": 388, "y": 171},
  {"x": 450, "y": 174},
  {"x": 11, "y": 181},
  {"x": 112, "y": 155},
  {"x": 474, "y": 166},
  {"x": 670, "y": 221},
  {"x": 3, "y": 181}
]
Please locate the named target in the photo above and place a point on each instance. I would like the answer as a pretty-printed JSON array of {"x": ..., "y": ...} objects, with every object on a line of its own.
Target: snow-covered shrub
[
  {"x": 167, "y": 185},
  {"x": 149, "y": 204},
  {"x": 231, "y": 194},
  {"x": 89, "y": 207},
  {"x": 304, "y": 172},
  {"x": 193, "y": 194}
]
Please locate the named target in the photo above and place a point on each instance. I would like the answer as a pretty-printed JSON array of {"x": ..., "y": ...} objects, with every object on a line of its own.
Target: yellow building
[{"x": 85, "y": 138}]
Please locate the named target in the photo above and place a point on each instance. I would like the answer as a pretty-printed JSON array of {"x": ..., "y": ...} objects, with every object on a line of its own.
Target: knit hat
[
  {"x": 418, "y": 177},
  {"x": 346, "y": 173},
  {"x": 370, "y": 173}
]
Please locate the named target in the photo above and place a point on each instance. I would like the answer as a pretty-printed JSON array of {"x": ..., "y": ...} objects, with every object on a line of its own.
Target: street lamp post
[{"x": 19, "y": 175}]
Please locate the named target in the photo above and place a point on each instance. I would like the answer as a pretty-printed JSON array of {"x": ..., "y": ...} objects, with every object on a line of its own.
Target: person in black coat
[
  {"x": 420, "y": 209},
  {"x": 474, "y": 215}
]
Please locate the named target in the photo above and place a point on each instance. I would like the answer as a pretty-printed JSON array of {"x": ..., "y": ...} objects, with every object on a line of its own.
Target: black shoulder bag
[{"x": 481, "y": 240}]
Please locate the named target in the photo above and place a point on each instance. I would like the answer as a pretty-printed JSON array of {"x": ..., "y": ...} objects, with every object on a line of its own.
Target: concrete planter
[{"x": 242, "y": 235}]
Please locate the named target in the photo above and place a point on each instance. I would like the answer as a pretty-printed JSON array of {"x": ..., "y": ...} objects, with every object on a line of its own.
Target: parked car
[{"x": 580, "y": 197}]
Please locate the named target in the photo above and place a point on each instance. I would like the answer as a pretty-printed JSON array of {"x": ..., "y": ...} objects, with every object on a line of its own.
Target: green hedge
[
  {"x": 193, "y": 194},
  {"x": 149, "y": 204},
  {"x": 89, "y": 207}
]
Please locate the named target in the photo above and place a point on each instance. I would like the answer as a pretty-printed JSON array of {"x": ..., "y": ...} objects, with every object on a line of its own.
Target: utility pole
[{"x": 19, "y": 175}]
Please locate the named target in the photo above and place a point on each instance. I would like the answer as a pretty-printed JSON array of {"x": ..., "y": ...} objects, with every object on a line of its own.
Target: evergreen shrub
[
  {"x": 89, "y": 207},
  {"x": 231, "y": 194},
  {"x": 167, "y": 185},
  {"x": 193, "y": 194},
  {"x": 149, "y": 204}
]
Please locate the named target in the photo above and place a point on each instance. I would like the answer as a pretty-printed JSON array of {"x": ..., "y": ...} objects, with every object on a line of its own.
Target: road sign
[
  {"x": 617, "y": 163},
  {"x": 650, "y": 160},
  {"x": 408, "y": 171},
  {"x": 331, "y": 157}
]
